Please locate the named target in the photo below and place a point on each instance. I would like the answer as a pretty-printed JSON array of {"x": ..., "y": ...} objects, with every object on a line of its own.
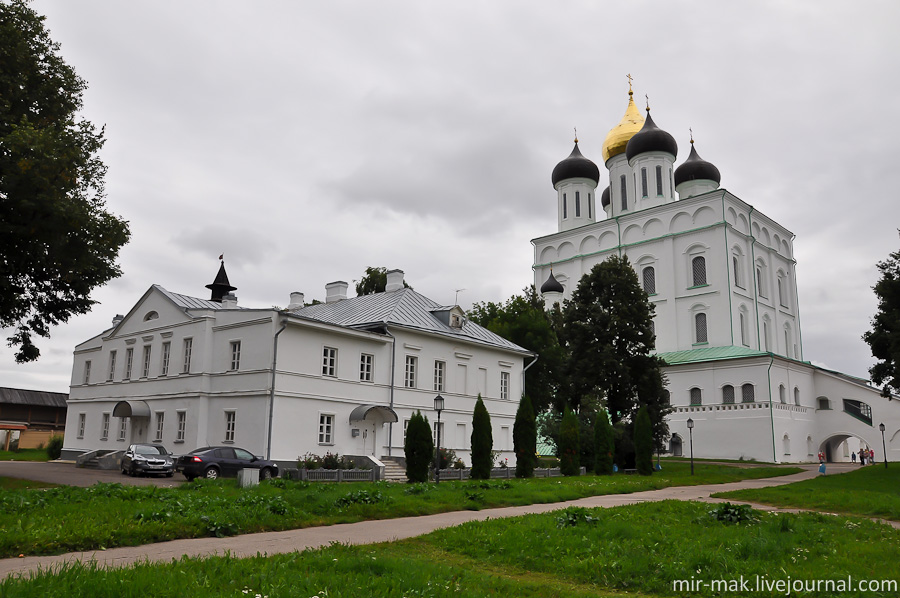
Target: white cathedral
[{"x": 721, "y": 276}]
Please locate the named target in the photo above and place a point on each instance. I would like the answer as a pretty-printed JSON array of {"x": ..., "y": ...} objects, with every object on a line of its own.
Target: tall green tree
[
  {"x": 884, "y": 337},
  {"x": 569, "y": 450},
  {"x": 523, "y": 320},
  {"x": 374, "y": 281},
  {"x": 643, "y": 442},
  {"x": 604, "y": 444},
  {"x": 57, "y": 241},
  {"x": 482, "y": 442},
  {"x": 418, "y": 447},
  {"x": 525, "y": 439}
]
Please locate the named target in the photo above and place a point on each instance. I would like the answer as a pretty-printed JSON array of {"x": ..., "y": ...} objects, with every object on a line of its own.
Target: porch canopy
[
  {"x": 360, "y": 413},
  {"x": 131, "y": 409}
]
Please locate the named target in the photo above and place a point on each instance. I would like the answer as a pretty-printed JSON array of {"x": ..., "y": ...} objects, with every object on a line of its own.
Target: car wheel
[
  {"x": 170, "y": 474},
  {"x": 133, "y": 472},
  {"x": 265, "y": 474},
  {"x": 189, "y": 478},
  {"x": 211, "y": 473},
  {"x": 124, "y": 471}
]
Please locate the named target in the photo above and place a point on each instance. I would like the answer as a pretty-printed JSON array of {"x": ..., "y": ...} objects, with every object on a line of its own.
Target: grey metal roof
[
  {"x": 405, "y": 308},
  {"x": 187, "y": 302},
  {"x": 18, "y": 396}
]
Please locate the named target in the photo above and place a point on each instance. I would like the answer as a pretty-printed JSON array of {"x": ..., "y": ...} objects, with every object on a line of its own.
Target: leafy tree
[
  {"x": 57, "y": 241},
  {"x": 604, "y": 444},
  {"x": 523, "y": 320},
  {"x": 643, "y": 442},
  {"x": 569, "y": 444},
  {"x": 482, "y": 442},
  {"x": 525, "y": 439},
  {"x": 374, "y": 281},
  {"x": 418, "y": 446},
  {"x": 608, "y": 334},
  {"x": 884, "y": 337}
]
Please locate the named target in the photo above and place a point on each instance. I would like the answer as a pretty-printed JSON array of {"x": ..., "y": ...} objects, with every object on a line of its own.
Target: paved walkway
[{"x": 369, "y": 532}]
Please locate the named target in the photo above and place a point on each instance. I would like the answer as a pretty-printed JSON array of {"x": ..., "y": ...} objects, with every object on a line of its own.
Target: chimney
[
  {"x": 394, "y": 280},
  {"x": 296, "y": 301},
  {"x": 336, "y": 291},
  {"x": 118, "y": 318},
  {"x": 229, "y": 301}
]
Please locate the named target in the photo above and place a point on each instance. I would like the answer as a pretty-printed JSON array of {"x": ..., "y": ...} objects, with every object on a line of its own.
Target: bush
[
  {"x": 447, "y": 458},
  {"x": 643, "y": 442},
  {"x": 569, "y": 445},
  {"x": 604, "y": 444},
  {"x": 525, "y": 439},
  {"x": 729, "y": 513},
  {"x": 54, "y": 447},
  {"x": 482, "y": 442},
  {"x": 418, "y": 446}
]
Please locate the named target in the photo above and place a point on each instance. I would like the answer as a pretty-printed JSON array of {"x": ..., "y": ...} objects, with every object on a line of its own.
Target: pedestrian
[
  {"x": 853, "y": 456},
  {"x": 862, "y": 456},
  {"x": 822, "y": 468},
  {"x": 871, "y": 456}
]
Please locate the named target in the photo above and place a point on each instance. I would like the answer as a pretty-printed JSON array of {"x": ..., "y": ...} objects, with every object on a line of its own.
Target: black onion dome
[
  {"x": 651, "y": 139},
  {"x": 696, "y": 168},
  {"x": 575, "y": 166},
  {"x": 604, "y": 199},
  {"x": 551, "y": 285}
]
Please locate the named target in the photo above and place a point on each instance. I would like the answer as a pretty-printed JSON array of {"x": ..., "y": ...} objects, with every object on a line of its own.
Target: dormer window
[{"x": 454, "y": 317}]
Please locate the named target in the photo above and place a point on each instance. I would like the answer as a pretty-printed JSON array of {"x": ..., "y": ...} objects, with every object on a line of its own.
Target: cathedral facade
[{"x": 722, "y": 278}]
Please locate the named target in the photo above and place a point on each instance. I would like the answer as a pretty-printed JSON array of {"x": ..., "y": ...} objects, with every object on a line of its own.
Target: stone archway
[{"x": 839, "y": 447}]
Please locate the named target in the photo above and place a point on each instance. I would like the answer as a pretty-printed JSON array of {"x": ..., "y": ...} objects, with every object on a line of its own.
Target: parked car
[
  {"x": 144, "y": 459},
  {"x": 211, "y": 462}
]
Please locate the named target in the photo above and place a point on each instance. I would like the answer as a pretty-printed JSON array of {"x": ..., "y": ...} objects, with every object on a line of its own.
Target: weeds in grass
[{"x": 729, "y": 513}]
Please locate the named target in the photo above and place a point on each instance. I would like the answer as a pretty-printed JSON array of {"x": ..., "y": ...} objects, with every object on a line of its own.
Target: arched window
[
  {"x": 696, "y": 396},
  {"x": 796, "y": 396},
  {"x": 589, "y": 205},
  {"x": 698, "y": 271},
  {"x": 578, "y": 204},
  {"x": 624, "y": 186},
  {"x": 738, "y": 274},
  {"x": 766, "y": 334},
  {"x": 700, "y": 327},
  {"x": 643, "y": 182},
  {"x": 671, "y": 184},
  {"x": 728, "y": 394},
  {"x": 565, "y": 208},
  {"x": 151, "y": 315},
  {"x": 786, "y": 444},
  {"x": 648, "y": 276},
  {"x": 782, "y": 291},
  {"x": 781, "y": 393},
  {"x": 787, "y": 342},
  {"x": 748, "y": 393},
  {"x": 659, "y": 181},
  {"x": 743, "y": 325}
]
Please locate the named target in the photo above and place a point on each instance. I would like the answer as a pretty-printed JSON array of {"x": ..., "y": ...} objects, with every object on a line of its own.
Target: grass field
[
  {"x": 640, "y": 550},
  {"x": 106, "y": 515},
  {"x": 25, "y": 455},
  {"x": 17, "y": 484},
  {"x": 871, "y": 491}
]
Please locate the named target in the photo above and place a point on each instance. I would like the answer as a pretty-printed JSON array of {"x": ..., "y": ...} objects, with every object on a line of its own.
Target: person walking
[{"x": 853, "y": 457}]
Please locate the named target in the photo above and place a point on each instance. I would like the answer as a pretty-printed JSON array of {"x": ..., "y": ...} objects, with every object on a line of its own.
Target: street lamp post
[
  {"x": 690, "y": 425},
  {"x": 438, "y": 406},
  {"x": 883, "y": 446}
]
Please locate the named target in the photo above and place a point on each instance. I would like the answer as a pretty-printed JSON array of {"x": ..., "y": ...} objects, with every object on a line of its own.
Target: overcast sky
[{"x": 308, "y": 140}]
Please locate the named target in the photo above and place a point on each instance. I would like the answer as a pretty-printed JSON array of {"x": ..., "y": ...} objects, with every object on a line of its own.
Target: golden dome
[{"x": 618, "y": 136}]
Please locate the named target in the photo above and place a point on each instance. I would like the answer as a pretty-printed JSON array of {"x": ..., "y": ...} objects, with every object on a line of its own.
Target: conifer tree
[
  {"x": 569, "y": 445},
  {"x": 482, "y": 442},
  {"x": 525, "y": 439},
  {"x": 604, "y": 444},
  {"x": 643, "y": 442},
  {"x": 418, "y": 446}
]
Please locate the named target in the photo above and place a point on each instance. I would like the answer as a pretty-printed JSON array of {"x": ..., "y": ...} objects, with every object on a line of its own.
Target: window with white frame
[
  {"x": 578, "y": 204},
  {"x": 781, "y": 394},
  {"x": 123, "y": 428},
  {"x": 787, "y": 342},
  {"x": 87, "y": 371},
  {"x": 565, "y": 207},
  {"x": 698, "y": 271},
  {"x": 796, "y": 396},
  {"x": 648, "y": 277},
  {"x": 187, "y": 350},
  {"x": 409, "y": 378},
  {"x": 728, "y": 394},
  {"x": 504, "y": 385},
  {"x": 781, "y": 292},
  {"x": 104, "y": 427},
  {"x": 742, "y": 322},
  {"x": 700, "y": 331},
  {"x": 590, "y": 200},
  {"x": 160, "y": 422},
  {"x": 365, "y": 367},
  {"x": 748, "y": 393},
  {"x": 166, "y": 354},
  {"x": 329, "y": 361},
  {"x": 761, "y": 288},
  {"x": 440, "y": 374},
  {"x": 766, "y": 335},
  {"x": 738, "y": 275},
  {"x": 643, "y": 182},
  {"x": 181, "y": 426},
  {"x": 671, "y": 184},
  {"x": 145, "y": 363},
  {"x": 659, "y": 185},
  {"x": 129, "y": 362},
  {"x": 230, "y": 425},
  {"x": 623, "y": 184},
  {"x": 81, "y": 423},
  {"x": 696, "y": 396},
  {"x": 112, "y": 367},
  {"x": 326, "y": 428},
  {"x": 235, "y": 356}
]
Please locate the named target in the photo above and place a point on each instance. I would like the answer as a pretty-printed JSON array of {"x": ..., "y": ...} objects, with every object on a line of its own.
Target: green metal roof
[{"x": 709, "y": 354}]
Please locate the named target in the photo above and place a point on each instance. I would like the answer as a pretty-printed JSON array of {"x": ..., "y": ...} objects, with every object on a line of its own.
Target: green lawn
[
  {"x": 25, "y": 455},
  {"x": 872, "y": 491},
  {"x": 106, "y": 515},
  {"x": 639, "y": 550},
  {"x": 17, "y": 484}
]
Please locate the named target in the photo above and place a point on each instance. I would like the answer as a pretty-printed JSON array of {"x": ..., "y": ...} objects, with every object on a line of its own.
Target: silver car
[{"x": 144, "y": 459}]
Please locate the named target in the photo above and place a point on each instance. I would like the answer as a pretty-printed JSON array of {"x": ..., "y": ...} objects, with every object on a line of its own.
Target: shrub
[
  {"x": 604, "y": 444},
  {"x": 482, "y": 442},
  {"x": 525, "y": 439},
  {"x": 569, "y": 444},
  {"x": 447, "y": 458},
  {"x": 572, "y": 516},
  {"x": 54, "y": 447},
  {"x": 418, "y": 446},
  {"x": 643, "y": 442},
  {"x": 309, "y": 461},
  {"x": 730, "y": 513}
]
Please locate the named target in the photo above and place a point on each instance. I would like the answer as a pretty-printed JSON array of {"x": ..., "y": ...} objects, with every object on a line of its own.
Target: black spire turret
[{"x": 220, "y": 286}]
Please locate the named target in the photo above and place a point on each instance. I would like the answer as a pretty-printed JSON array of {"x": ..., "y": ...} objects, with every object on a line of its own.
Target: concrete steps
[{"x": 393, "y": 470}]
